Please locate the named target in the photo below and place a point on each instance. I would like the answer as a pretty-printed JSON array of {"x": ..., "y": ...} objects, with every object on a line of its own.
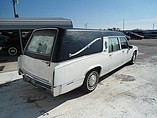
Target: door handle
[
  {"x": 123, "y": 51},
  {"x": 110, "y": 55},
  {"x": 47, "y": 62}
]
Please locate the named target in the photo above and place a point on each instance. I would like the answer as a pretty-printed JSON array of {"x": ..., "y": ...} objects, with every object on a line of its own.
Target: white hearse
[{"x": 61, "y": 60}]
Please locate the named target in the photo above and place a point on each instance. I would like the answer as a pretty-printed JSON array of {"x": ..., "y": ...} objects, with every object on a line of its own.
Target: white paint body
[{"x": 68, "y": 75}]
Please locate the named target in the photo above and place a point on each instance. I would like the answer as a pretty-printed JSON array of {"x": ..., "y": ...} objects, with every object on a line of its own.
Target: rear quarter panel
[{"x": 75, "y": 70}]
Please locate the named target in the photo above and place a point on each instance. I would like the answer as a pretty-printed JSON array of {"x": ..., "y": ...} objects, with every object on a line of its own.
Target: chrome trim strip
[{"x": 84, "y": 48}]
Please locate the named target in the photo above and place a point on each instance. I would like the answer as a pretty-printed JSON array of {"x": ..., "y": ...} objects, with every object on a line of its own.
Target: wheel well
[
  {"x": 135, "y": 52},
  {"x": 98, "y": 69}
]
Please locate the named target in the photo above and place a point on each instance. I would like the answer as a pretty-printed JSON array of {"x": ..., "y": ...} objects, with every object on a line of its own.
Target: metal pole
[
  {"x": 14, "y": 7},
  {"x": 85, "y": 26},
  {"x": 21, "y": 42},
  {"x": 123, "y": 24},
  {"x": 153, "y": 26}
]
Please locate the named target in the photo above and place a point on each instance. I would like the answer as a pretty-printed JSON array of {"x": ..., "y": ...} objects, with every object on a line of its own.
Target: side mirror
[{"x": 128, "y": 37}]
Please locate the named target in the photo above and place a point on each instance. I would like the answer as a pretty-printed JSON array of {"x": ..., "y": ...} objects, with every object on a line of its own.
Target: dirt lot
[{"x": 129, "y": 92}]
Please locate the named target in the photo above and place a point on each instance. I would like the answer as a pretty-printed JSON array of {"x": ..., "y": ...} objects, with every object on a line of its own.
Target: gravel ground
[{"x": 128, "y": 92}]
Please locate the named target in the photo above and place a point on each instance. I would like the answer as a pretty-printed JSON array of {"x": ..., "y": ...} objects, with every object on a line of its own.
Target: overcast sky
[{"x": 141, "y": 14}]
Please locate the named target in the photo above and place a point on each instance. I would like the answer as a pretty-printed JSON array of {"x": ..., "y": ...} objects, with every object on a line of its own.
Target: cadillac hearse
[{"x": 61, "y": 60}]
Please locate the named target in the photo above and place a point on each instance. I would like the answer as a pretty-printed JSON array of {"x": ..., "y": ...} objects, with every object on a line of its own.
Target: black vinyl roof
[
  {"x": 33, "y": 23},
  {"x": 103, "y": 32}
]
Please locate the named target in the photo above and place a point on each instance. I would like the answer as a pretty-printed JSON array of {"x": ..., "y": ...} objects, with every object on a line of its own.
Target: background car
[
  {"x": 151, "y": 34},
  {"x": 134, "y": 35},
  {"x": 10, "y": 42}
]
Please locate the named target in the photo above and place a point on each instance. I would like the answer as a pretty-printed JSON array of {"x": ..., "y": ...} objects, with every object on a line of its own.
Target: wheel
[
  {"x": 133, "y": 59},
  {"x": 91, "y": 81},
  {"x": 12, "y": 51}
]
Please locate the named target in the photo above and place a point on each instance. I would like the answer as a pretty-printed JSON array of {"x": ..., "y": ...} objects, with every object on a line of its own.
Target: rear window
[{"x": 41, "y": 42}]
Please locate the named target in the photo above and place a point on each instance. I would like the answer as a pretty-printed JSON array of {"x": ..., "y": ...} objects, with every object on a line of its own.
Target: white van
[{"x": 61, "y": 60}]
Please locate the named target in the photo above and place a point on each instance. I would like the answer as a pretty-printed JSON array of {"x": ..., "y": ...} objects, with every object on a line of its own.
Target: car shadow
[
  {"x": 112, "y": 72},
  {"x": 25, "y": 98},
  {"x": 21, "y": 98}
]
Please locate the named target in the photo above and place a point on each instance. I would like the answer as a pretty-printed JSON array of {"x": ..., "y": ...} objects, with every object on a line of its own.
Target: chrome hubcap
[{"x": 92, "y": 80}]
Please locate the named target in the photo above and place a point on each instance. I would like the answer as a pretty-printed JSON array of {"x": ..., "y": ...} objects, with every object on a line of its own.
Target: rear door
[{"x": 37, "y": 55}]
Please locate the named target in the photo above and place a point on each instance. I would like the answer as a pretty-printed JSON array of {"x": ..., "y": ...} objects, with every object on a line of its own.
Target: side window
[
  {"x": 124, "y": 43},
  {"x": 113, "y": 44}
]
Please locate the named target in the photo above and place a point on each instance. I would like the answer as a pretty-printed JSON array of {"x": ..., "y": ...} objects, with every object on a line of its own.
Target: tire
[
  {"x": 133, "y": 59},
  {"x": 12, "y": 51},
  {"x": 91, "y": 81}
]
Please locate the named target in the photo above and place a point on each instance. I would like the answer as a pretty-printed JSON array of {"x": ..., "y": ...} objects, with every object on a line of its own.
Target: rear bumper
[{"x": 34, "y": 80}]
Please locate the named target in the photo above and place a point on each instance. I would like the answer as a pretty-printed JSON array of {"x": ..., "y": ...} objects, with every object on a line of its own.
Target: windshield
[{"x": 41, "y": 42}]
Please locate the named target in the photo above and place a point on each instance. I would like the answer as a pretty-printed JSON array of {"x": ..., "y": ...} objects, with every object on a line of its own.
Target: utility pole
[
  {"x": 153, "y": 26},
  {"x": 123, "y": 24},
  {"x": 14, "y": 7},
  {"x": 85, "y": 26}
]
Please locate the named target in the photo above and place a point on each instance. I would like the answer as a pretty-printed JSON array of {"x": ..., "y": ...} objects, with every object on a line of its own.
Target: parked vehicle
[
  {"x": 134, "y": 35},
  {"x": 61, "y": 60},
  {"x": 150, "y": 34},
  {"x": 140, "y": 32},
  {"x": 10, "y": 42}
]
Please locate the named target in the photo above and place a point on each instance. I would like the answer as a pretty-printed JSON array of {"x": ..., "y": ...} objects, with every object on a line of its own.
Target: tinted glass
[{"x": 123, "y": 42}]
